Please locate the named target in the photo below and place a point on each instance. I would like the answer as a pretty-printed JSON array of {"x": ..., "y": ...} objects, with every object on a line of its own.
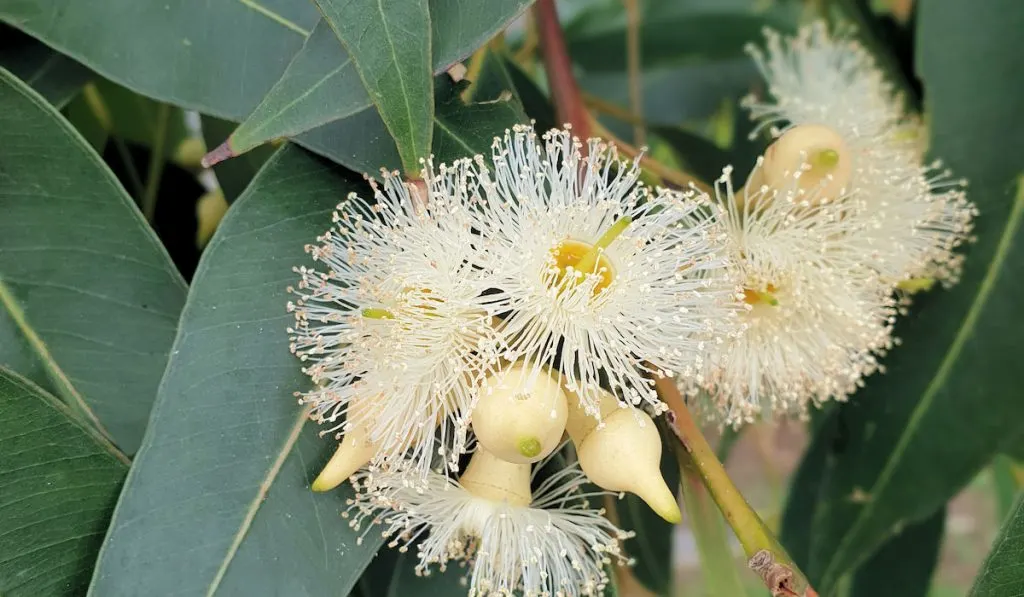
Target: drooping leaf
[
  {"x": 321, "y": 86},
  {"x": 389, "y": 44},
  {"x": 220, "y": 487},
  {"x": 233, "y": 175},
  {"x": 904, "y": 565},
  {"x": 59, "y": 481},
  {"x": 218, "y": 58},
  {"x": 1002, "y": 574},
  {"x": 88, "y": 295},
  {"x": 948, "y": 402},
  {"x": 674, "y": 32},
  {"x": 53, "y": 75}
]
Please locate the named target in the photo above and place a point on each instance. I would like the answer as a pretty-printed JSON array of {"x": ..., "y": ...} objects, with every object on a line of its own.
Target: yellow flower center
[
  {"x": 585, "y": 258},
  {"x": 761, "y": 297}
]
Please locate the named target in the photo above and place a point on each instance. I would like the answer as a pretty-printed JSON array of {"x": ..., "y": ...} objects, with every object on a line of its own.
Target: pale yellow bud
[
  {"x": 520, "y": 416},
  {"x": 495, "y": 479},
  {"x": 815, "y": 154},
  {"x": 622, "y": 453},
  {"x": 355, "y": 451}
]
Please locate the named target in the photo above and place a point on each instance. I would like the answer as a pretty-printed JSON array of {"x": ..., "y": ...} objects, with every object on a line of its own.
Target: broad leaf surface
[
  {"x": 89, "y": 299},
  {"x": 389, "y": 44},
  {"x": 58, "y": 484},
  {"x": 218, "y": 58},
  {"x": 949, "y": 400},
  {"x": 1002, "y": 574},
  {"x": 322, "y": 87},
  {"x": 220, "y": 487}
]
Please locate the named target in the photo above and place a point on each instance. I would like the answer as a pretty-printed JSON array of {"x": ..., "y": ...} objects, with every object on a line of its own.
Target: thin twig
[
  {"x": 767, "y": 557},
  {"x": 636, "y": 98},
  {"x": 565, "y": 91},
  {"x": 156, "y": 162},
  {"x": 676, "y": 178}
]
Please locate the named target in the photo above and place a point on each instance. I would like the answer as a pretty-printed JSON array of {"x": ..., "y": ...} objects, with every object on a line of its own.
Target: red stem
[{"x": 565, "y": 92}]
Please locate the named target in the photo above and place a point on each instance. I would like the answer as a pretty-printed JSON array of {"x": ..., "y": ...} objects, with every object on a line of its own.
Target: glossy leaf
[
  {"x": 58, "y": 481},
  {"x": 219, "y": 58},
  {"x": 222, "y": 478},
  {"x": 53, "y": 75},
  {"x": 89, "y": 299},
  {"x": 389, "y": 44},
  {"x": 321, "y": 86},
  {"x": 904, "y": 565},
  {"x": 1002, "y": 574},
  {"x": 463, "y": 130},
  {"x": 948, "y": 402}
]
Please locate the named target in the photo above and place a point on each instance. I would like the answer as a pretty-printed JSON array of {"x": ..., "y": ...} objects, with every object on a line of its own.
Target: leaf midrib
[{"x": 964, "y": 332}]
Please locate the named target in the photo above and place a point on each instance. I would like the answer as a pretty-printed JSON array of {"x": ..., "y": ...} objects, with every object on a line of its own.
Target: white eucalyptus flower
[
  {"x": 550, "y": 543},
  {"x": 828, "y": 93},
  {"x": 597, "y": 276},
  {"x": 813, "y": 327},
  {"x": 392, "y": 328}
]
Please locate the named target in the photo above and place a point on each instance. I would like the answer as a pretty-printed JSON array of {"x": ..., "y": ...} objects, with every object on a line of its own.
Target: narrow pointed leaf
[
  {"x": 321, "y": 86},
  {"x": 389, "y": 43},
  {"x": 949, "y": 400},
  {"x": 220, "y": 487},
  {"x": 1002, "y": 574},
  {"x": 905, "y": 564},
  {"x": 89, "y": 299},
  {"x": 58, "y": 481}
]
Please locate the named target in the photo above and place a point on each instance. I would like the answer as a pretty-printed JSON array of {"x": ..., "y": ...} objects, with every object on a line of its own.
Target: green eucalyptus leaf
[
  {"x": 321, "y": 86},
  {"x": 463, "y": 130},
  {"x": 218, "y": 58},
  {"x": 59, "y": 481},
  {"x": 948, "y": 402},
  {"x": 89, "y": 299},
  {"x": 1002, "y": 574},
  {"x": 53, "y": 75},
  {"x": 222, "y": 478},
  {"x": 389, "y": 44},
  {"x": 904, "y": 565}
]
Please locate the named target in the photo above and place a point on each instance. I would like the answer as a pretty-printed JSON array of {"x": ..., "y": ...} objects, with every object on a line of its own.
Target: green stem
[
  {"x": 156, "y": 162},
  {"x": 717, "y": 566},
  {"x": 767, "y": 556}
]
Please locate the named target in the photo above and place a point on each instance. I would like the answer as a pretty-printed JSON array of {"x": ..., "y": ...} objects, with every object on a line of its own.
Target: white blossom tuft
[
  {"x": 555, "y": 546},
  {"x": 914, "y": 214}
]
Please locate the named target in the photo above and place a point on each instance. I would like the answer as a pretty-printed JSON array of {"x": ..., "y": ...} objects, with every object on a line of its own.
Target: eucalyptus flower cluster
[
  {"x": 459, "y": 329},
  {"x": 456, "y": 329}
]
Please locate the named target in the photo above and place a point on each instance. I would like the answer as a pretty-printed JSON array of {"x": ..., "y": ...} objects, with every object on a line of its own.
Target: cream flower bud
[
  {"x": 814, "y": 154},
  {"x": 520, "y": 415},
  {"x": 622, "y": 452},
  {"x": 356, "y": 451},
  {"x": 492, "y": 478}
]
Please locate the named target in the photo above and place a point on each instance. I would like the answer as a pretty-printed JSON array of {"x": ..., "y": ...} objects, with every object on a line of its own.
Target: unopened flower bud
[
  {"x": 622, "y": 452},
  {"x": 495, "y": 479},
  {"x": 815, "y": 156},
  {"x": 355, "y": 451},
  {"x": 520, "y": 415}
]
